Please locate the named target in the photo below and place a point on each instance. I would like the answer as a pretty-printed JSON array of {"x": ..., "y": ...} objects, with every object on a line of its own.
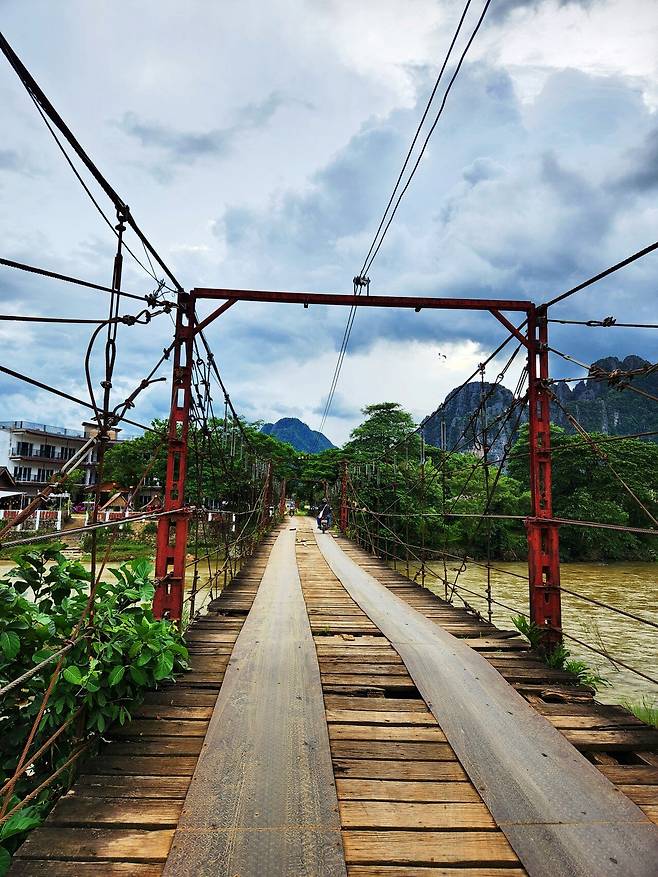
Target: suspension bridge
[{"x": 339, "y": 717}]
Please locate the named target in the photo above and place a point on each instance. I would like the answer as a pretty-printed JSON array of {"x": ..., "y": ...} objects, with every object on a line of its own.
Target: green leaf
[
  {"x": 91, "y": 683},
  {"x": 5, "y": 861},
  {"x": 138, "y": 676},
  {"x": 116, "y": 675},
  {"x": 10, "y": 644},
  {"x": 164, "y": 666},
  {"x": 73, "y": 675}
]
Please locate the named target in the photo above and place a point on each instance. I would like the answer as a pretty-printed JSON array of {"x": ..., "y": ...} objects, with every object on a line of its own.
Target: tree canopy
[{"x": 438, "y": 502}]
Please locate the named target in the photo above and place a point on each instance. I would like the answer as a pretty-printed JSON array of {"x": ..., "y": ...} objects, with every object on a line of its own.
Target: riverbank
[{"x": 630, "y": 587}]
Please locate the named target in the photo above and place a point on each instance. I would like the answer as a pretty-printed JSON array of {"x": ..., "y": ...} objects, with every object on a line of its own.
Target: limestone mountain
[
  {"x": 597, "y": 404},
  {"x": 297, "y": 434}
]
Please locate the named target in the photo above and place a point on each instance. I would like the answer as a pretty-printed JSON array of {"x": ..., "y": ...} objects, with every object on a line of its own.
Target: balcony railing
[
  {"x": 37, "y": 455},
  {"x": 31, "y": 426}
]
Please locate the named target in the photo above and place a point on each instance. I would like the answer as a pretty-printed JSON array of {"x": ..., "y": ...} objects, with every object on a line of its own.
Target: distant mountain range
[
  {"x": 596, "y": 405},
  {"x": 298, "y": 434}
]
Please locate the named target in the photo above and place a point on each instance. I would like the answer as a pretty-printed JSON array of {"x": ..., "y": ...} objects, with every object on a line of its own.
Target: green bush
[{"x": 124, "y": 652}]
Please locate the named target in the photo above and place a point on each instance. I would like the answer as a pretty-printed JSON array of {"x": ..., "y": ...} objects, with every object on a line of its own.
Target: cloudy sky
[{"x": 257, "y": 144}]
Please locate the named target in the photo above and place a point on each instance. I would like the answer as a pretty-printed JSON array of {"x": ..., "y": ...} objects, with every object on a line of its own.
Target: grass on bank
[
  {"x": 560, "y": 658},
  {"x": 646, "y": 710}
]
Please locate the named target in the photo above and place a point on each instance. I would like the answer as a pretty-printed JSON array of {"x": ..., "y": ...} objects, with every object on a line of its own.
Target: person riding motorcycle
[{"x": 324, "y": 515}]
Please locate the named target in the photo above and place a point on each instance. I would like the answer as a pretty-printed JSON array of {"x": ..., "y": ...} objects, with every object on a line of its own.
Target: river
[{"x": 632, "y": 587}]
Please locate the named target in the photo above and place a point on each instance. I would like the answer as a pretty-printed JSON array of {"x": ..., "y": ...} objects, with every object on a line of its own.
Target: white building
[{"x": 34, "y": 452}]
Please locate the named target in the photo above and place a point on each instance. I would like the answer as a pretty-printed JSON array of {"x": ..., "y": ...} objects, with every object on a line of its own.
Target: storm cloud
[{"x": 278, "y": 131}]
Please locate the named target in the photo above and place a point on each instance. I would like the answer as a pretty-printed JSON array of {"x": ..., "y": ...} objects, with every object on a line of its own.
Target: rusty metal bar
[
  {"x": 543, "y": 533},
  {"x": 172, "y": 528},
  {"x": 370, "y": 301},
  {"x": 213, "y": 316},
  {"x": 343, "y": 498}
]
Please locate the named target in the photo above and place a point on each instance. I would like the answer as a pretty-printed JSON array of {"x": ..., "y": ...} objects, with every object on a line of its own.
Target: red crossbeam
[{"x": 416, "y": 303}]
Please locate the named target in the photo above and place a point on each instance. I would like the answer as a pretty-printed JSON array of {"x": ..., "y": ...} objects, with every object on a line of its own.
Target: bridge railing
[
  {"x": 77, "y": 650},
  {"x": 435, "y": 569}
]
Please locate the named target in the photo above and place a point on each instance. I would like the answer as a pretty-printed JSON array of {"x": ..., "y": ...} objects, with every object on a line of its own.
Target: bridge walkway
[{"x": 405, "y": 803}]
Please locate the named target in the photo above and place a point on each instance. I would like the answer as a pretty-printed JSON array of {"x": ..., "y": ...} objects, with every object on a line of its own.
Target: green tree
[
  {"x": 587, "y": 486},
  {"x": 126, "y": 461},
  {"x": 386, "y": 424}
]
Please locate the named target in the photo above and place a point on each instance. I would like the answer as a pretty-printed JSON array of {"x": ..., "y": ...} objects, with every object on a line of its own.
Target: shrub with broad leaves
[{"x": 123, "y": 652}]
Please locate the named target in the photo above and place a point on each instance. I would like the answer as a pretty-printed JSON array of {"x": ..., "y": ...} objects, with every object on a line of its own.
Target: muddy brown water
[{"x": 632, "y": 587}]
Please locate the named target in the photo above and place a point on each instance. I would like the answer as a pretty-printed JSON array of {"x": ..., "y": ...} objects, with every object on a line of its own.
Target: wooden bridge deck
[{"x": 406, "y": 804}]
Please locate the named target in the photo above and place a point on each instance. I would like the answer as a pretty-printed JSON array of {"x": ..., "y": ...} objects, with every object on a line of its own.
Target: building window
[
  {"x": 45, "y": 474},
  {"x": 24, "y": 449},
  {"x": 22, "y": 473},
  {"x": 48, "y": 451}
]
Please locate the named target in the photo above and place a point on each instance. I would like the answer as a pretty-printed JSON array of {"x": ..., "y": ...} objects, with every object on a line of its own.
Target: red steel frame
[
  {"x": 344, "y": 512},
  {"x": 543, "y": 538},
  {"x": 171, "y": 542}
]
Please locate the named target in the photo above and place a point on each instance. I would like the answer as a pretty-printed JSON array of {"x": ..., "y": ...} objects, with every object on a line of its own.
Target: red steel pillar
[
  {"x": 172, "y": 529},
  {"x": 267, "y": 496},
  {"x": 543, "y": 536},
  {"x": 282, "y": 499},
  {"x": 343, "y": 498}
]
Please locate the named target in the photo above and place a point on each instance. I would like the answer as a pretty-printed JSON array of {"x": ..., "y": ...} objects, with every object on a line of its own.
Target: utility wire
[
  {"x": 42, "y": 101},
  {"x": 370, "y": 256},
  {"x": 416, "y": 136},
  {"x": 431, "y": 131},
  {"x": 624, "y": 262},
  {"x": 43, "y": 272},
  {"x": 607, "y": 323}
]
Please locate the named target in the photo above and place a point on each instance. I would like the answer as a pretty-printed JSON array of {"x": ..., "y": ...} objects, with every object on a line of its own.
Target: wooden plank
[
  {"x": 156, "y": 746},
  {"x": 621, "y": 741},
  {"x": 428, "y": 847},
  {"x": 337, "y": 702},
  {"x": 92, "y": 844},
  {"x": 179, "y": 696},
  {"x": 406, "y": 871},
  {"x": 168, "y": 711},
  {"x": 364, "y": 668},
  {"x": 262, "y": 799},
  {"x": 630, "y": 773},
  {"x": 94, "y": 785},
  {"x": 401, "y": 815},
  {"x": 167, "y": 766},
  {"x": 450, "y": 771},
  {"x": 84, "y": 811},
  {"x": 160, "y": 728},
  {"x": 380, "y": 717},
  {"x": 641, "y": 794},
  {"x": 397, "y": 733},
  {"x": 651, "y": 811},
  {"x": 501, "y": 741},
  {"x": 383, "y": 749},
  {"x": 374, "y": 681},
  {"x": 393, "y": 790},
  {"x": 52, "y": 868}
]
